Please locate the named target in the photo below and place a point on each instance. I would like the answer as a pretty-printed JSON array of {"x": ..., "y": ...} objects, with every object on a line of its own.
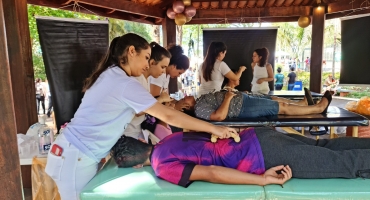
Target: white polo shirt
[
  {"x": 162, "y": 81},
  {"x": 106, "y": 109}
]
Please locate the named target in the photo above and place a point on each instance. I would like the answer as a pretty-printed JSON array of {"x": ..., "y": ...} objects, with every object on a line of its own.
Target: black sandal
[
  {"x": 308, "y": 96},
  {"x": 328, "y": 96}
]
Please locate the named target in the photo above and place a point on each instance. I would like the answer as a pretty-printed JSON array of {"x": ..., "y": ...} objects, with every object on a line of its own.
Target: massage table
[
  {"x": 334, "y": 117},
  {"x": 141, "y": 184}
]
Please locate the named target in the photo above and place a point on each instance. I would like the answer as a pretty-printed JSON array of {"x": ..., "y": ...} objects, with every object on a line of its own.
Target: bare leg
[
  {"x": 290, "y": 109},
  {"x": 302, "y": 102}
]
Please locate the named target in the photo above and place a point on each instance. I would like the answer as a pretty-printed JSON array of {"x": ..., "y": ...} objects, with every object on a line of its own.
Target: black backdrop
[
  {"x": 240, "y": 44},
  {"x": 355, "y": 64},
  {"x": 71, "y": 49}
]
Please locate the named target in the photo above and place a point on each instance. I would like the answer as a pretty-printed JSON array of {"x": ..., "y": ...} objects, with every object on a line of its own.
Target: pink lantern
[
  {"x": 190, "y": 11},
  {"x": 170, "y": 13},
  {"x": 178, "y": 7}
]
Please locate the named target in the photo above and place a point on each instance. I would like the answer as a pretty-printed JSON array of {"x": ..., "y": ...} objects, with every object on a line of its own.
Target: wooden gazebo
[{"x": 17, "y": 99}]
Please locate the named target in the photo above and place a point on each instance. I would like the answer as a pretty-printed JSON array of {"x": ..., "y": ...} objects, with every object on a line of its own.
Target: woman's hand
[
  {"x": 229, "y": 95},
  {"x": 223, "y": 132},
  {"x": 164, "y": 97},
  {"x": 242, "y": 68},
  {"x": 259, "y": 81},
  {"x": 272, "y": 177}
]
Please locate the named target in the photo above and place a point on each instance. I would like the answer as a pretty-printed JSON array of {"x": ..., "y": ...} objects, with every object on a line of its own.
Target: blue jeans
[
  {"x": 278, "y": 86},
  {"x": 290, "y": 86},
  {"x": 258, "y": 106}
]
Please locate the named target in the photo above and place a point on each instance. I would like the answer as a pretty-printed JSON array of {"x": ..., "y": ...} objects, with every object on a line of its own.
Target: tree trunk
[
  {"x": 157, "y": 34},
  {"x": 179, "y": 35},
  {"x": 333, "y": 64}
]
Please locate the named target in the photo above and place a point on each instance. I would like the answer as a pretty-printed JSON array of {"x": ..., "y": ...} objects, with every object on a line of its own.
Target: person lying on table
[
  {"x": 263, "y": 156},
  {"x": 223, "y": 105}
]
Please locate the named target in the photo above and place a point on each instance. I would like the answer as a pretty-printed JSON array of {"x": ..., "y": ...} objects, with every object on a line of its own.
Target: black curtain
[
  {"x": 355, "y": 64},
  {"x": 240, "y": 46},
  {"x": 71, "y": 50}
]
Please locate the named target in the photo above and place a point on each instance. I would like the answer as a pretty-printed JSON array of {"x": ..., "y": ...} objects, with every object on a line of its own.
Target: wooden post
[
  {"x": 10, "y": 174},
  {"x": 169, "y": 37},
  {"x": 169, "y": 31},
  {"x": 20, "y": 60},
  {"x": 318, "y": 24}
]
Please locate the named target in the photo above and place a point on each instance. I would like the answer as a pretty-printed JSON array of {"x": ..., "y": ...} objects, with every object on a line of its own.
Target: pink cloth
[{"x": 162, "y": 131}]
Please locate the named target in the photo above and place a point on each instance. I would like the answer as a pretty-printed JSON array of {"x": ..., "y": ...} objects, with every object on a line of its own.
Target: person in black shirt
[{"x": 291, "y": 80}]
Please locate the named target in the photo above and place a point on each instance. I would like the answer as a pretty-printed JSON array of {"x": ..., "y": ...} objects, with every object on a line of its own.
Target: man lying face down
[
  {"x": 263, "y": 156},
  {"x": 223, "y": 105}
]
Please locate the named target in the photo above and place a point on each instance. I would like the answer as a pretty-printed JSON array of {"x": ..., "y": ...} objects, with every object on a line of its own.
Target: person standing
[
  {"x": 262, "y": 71},
  {"x": 48, "y": 96},
  {"x": 40, "y": 95},
  {"x": 279, "y": 79},
  {"x": 291, "y": 78},
  {"x": 213, "y": 70}
]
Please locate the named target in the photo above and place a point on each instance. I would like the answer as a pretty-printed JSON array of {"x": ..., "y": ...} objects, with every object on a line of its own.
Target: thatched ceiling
[{"x": 153, "y": 11}]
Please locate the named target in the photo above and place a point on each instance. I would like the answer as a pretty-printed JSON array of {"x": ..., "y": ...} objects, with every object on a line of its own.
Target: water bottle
[{"x": 46, "y": 136}]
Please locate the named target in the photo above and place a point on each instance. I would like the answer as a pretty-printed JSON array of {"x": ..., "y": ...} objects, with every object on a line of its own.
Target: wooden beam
[
  {"x": 246, "y": 20},
  {"x": 127, "y": 7},
  {"x": 10, "y": 174},
  {"x": 94, "y": 10},
  {"x": 169, "y": 31},
  {"x": 346, "y": 13},
  {"x": 317, "y": 43},
  {"x": 20, "y": 59},
  {"x": 346, "y": 6},
  {"x": 253, "y": 12}
]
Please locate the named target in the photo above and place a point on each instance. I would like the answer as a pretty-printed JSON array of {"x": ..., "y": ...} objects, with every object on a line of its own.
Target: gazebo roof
[{"x": 211, "y": 11}]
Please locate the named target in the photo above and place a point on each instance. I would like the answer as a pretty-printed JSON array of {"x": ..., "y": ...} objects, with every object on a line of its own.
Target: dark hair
[
  {"x": 158, "y": 52},
  {"x": 264, "y": 53},
  {"x": 38, "y": 80},
  {"x": 278, "y": 69},
  {"x": 214, "y": 49},
  {"x": 292, "y": 68},
  {"x": 116, "y": 54},
  {"x": 128, "y": 152},
  {"x": 178, "y": 58},
  {"x": 150, "y": 123}
]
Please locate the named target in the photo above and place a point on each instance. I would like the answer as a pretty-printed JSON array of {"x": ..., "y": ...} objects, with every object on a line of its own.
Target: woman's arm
[
  {"x": 181, "y": 120},
  {"x": 231, "y": 76},
  {"x": 224, "y": 175},
  {"x": 221, "y": 113},
  {"x": 155, "y": 90}
]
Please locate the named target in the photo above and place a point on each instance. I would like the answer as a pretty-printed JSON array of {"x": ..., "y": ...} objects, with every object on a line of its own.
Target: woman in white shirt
[
  {"x": 158, "y": 62},
  {"x": 179, "y": 63},
  {"x": 262, "y": 71},
  {"x": 112, "y": 97},
  {"x": 213, "y": 70}
]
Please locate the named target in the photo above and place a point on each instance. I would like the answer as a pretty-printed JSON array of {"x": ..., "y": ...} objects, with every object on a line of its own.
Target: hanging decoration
[
  {"x": 181, "y": 11},
  {"x": 304, "y": 21}
]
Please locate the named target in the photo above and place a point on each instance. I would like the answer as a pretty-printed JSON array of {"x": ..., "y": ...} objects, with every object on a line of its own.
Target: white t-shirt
[
  {"x": 106, "y": 109},
  {"x": 134, "y": 127},
  {"x": 162, "y": 81},
  {"x": 217, "y": 76}
]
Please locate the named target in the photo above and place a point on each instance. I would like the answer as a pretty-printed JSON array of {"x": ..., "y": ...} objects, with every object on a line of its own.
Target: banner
[{"x": 71, "y": 50}]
